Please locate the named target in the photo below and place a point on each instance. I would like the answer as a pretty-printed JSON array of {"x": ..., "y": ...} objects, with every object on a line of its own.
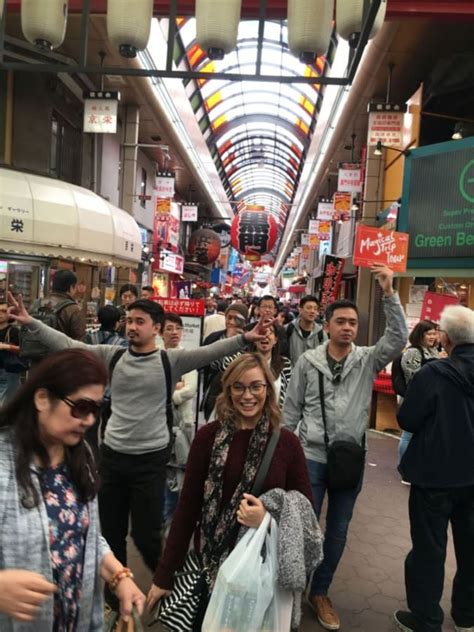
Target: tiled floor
[{"x": 369, "y": 583}]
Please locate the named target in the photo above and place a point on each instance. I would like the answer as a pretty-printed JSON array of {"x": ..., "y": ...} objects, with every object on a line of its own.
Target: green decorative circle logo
[{"x": 466, "y": 182}]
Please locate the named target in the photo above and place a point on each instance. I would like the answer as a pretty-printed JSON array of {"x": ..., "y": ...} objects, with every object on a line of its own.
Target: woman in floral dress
[{"x": 52, "y": 556}]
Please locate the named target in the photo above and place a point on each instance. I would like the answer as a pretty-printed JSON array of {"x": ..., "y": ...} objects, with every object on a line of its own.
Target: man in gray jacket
[
  {"x": 305, "y": 333},
  {"x": 348, "y": 372},
  {"x": 136, "y": 444}
]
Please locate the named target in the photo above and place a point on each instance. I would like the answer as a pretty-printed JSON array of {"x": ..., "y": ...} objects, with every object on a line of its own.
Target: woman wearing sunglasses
[{"x": 52, "y": 556}]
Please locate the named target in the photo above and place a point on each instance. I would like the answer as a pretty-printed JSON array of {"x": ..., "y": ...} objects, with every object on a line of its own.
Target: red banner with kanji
[{"x": 332, "y": 275}]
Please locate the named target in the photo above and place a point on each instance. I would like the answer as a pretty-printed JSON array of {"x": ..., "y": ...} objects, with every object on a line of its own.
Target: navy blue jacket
[{"x": 439, "y": 409}]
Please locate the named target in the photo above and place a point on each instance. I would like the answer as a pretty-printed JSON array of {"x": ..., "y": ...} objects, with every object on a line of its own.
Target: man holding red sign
[{"x": 328, "y": 400}]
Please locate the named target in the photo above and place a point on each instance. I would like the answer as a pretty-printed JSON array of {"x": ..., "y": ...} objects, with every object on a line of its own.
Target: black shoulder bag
[
  {"x": 178, "y": 611},
  {"x": 345, "y": 459}
]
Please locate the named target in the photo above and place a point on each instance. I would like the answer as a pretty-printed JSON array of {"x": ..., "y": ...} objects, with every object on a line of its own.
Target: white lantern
[
  {"x": 217, "y": 26},
  {"x": 44, "y": 22},
  {"x": 129, "y": 24},
  {"x": 349, "y": 15},
  {"x": 309, "y": 27}
]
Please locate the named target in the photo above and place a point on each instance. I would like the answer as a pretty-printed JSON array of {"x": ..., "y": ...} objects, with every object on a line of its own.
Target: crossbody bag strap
[
  {"x": 323, "y": 406},
  {"x": 255, "y": 491},
  {"x": 169, "y": 402}
]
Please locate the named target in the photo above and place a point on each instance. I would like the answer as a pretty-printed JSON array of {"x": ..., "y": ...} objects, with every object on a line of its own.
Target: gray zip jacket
[
  {"x": 24, "y": 544},
  {"x": 298, "y": 344},
  {"x": 137, "y": 424},
  {"x": 347, "y": 403}
]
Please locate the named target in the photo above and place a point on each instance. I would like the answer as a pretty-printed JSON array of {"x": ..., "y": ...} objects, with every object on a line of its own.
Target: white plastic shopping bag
[{"x": 245, "y": 583}]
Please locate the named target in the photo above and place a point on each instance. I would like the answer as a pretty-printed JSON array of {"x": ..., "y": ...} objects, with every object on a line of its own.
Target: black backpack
[
  {"x": 30, "y": 347},
  {"x": 399, "y": 384}
]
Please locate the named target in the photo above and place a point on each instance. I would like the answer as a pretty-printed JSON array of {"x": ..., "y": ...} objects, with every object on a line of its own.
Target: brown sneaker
[{"x": 325, "y": 612}]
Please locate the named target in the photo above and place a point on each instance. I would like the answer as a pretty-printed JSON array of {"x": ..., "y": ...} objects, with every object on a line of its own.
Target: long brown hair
[
  {"x": 235, "y": 370},
  {"x": 61, "y": 374}
]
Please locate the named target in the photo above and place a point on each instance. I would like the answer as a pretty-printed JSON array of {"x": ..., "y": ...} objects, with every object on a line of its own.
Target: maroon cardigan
[{"x": 287, "y": 471}]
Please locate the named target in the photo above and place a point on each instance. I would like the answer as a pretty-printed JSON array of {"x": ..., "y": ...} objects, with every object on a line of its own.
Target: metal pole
[
  {"x": 369, "y": 19},
  {"x": 3, "y": 22},
  {"x": 261, "y": 33},
  {"x": 171, "y": 35},
  {"x": 86, "y": 6}
]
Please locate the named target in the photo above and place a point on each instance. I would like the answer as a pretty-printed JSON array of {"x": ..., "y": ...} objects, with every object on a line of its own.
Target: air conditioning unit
[
  {"x": 129, "y": 24},
  {"x": 217, "y": 26},
  {"x": 349, "y": 15},
  {"x": 44, "y": 22},
  {"x": 309, "y": 27}
]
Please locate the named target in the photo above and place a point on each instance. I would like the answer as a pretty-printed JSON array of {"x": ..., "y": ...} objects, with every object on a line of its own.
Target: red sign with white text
[
  {"x": 434, "y": 303},
  {"x": 377, "y": 245},
  {"x": 183, "y": 306}
]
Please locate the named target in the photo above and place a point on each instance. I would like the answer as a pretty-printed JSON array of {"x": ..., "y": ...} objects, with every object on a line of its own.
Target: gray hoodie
[
  {"x": 298, "y": 344},
  {"x": 347, "y": 403}
]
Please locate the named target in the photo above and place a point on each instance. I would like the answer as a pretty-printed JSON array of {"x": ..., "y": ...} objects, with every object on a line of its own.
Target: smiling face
[
  {"x": 430, "y": 338},
  {"x": 248, "y": 393},
  {"x": 56, "y": 421},
  {"x": 343, "y": 326},
  {"x": 234, "y": 322},
  {"x": 266, "y": 345},
  {"x": 308, "y": 312}
]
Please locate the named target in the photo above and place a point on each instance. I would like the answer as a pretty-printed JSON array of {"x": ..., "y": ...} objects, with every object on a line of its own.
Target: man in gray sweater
[{"x": 136, "y": 444}]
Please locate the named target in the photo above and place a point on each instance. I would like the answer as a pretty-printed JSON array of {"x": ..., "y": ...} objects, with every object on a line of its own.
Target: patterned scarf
[{"x": 216, "y": 525}]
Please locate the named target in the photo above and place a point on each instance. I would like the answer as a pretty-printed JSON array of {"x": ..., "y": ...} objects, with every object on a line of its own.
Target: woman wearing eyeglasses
[
  {"x": 222, "y": 464},
  {"x": 52, "y": 556}
]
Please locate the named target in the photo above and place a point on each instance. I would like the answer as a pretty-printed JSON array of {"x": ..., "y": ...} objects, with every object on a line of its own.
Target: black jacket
[{"x": 439, "y": 409}]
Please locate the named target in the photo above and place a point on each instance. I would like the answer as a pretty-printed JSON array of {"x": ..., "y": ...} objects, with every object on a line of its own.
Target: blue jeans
[
  {"x": 404, "y": 441},
  {"x": 9, "y": 384},
  {"x": 338, "y": 517}
]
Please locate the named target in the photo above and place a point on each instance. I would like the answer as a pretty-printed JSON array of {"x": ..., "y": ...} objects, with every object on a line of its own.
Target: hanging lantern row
[{"x": 217, "y": 24}]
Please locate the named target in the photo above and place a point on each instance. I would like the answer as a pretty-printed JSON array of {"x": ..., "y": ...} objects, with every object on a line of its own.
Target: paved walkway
[{"x": 369, "y": 584}]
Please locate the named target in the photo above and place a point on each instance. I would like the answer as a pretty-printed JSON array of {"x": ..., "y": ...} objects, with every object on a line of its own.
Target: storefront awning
[{"x": 50, "y": 218}]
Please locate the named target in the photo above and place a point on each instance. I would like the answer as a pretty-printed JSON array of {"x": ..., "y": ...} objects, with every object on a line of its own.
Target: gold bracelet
[{"x": 119, "y": 575}]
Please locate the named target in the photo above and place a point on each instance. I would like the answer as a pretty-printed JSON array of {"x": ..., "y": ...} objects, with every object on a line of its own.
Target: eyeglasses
[
  {"x": 82, "y": 408},
  {"x": 256, "y": 388}
]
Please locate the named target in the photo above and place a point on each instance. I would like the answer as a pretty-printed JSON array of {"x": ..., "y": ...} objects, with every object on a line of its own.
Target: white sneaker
[{"x": 458, "y": 629}]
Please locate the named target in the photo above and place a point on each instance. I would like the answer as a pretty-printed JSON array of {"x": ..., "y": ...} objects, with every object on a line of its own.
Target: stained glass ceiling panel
[{"x": 261, "y": 130}]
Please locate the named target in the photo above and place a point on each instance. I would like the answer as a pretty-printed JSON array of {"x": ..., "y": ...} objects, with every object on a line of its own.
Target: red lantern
[
  {"x": 253, "y": 232},
  {"x": 204, "y": 246}
]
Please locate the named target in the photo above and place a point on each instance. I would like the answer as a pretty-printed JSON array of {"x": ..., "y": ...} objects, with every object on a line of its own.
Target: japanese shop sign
[
  {"x": 164, "y": 184},
  {"x": 168, "y": 261},
  {"x": 332, "y": 275},
  {"x": 189, "y": 213},
  {"x": 341, "y": 203},
  {"x": 162, "y": 206},
  {"x": 100, "y": 116},
  {"x": 386, "y": 127},
  {"x": 313, "y": 226},
  {"x": 433, "y": 305},
  {"x": 325, "y": 211},
  {"x": 324, "y": 231},
  {"x": 349, "y": 178},
  {"x": 166, "y": 227},
  {"x": 313, "y": 241},
  {"x": 376, "y": 245},
  {"x": 183, "y": 306},
  {"x": 305, "y": 239}
]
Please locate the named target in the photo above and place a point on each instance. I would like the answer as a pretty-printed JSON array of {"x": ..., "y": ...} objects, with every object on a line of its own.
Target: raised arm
[
  {"x": 53, "y": 339},
  {"x": 393, "y": 341}
]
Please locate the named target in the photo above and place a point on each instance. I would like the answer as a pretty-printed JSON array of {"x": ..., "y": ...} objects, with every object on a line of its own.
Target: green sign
[{"x": 438, "y": 202}]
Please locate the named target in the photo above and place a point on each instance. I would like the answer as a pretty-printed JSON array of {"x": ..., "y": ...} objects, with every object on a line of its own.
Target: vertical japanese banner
[{"x": 332, "y": 275}]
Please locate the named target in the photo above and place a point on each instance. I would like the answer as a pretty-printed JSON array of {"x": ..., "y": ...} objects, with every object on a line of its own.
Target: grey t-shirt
[{"x": 138, "y": 388}]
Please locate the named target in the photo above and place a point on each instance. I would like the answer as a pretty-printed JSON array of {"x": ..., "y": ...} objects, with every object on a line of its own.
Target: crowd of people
[{"x": 99, "y": 443}]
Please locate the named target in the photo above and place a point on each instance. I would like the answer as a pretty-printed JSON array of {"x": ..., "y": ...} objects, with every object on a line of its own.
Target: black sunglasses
[{"x": 82, "y": 408}]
